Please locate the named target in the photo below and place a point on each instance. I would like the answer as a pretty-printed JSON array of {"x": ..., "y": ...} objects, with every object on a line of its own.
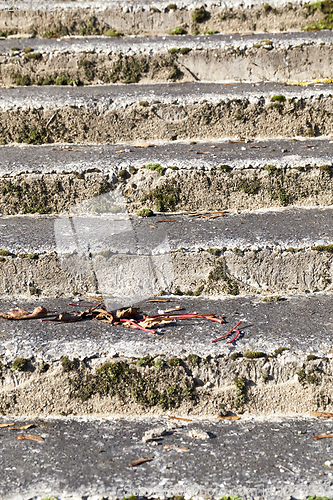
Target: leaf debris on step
[
  {"x": 323, "y": 436},
  {"x": 140, "y": 461},
  {"x": 322, "y": 414},
  {"x": 18, "y": 313},
  {"x": 30, "y": 437},
  {"x": 22, "y": 427}
]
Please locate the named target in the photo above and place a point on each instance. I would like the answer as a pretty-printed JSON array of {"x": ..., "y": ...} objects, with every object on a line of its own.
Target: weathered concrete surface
[
  {"x": 257, "y": 174},
  {"x": 301, "y": 323},
  {"x": 185, "y": 111},
  {"x": 266, "y": 459},
  {"x": 156, "y": 18},
  {"x": 218, "y": 58},
  {"x": 252, "y": 252}
]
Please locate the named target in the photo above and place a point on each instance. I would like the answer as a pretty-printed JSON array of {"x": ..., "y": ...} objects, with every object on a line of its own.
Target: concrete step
[
  {"x": 94, "y": 251},
  {"x": 149, "y": 112},
  {"x": 160, "y": 17},
  {"x": 283, "y": 360},
  {"x": 200, "y": 176},
  {"x": 89, "y": 458},
  {"x": 218, "y": 58}
]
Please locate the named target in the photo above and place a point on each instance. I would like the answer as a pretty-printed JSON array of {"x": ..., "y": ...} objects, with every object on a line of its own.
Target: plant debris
[
  {"x": 180, "y": 418},
  {"x": 140, "y": 461},
  {"x": 22, "y": 427},
  {"x": 31, "y": 437},
  {"x": 177, "y": 448},
  {"x": 234, "y": 329},
  {"x": 17, "y": 313},
  {"x": 66, "y": 317},
  {"x": 323, "y": 436},
  {"x": 6, "y": 425},
  {"x": 232, "y": 417},
  {"x": 322, "y": 414}
]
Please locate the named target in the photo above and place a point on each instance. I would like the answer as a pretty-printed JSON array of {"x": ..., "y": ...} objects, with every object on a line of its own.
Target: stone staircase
[{"x": 175, "y": 157}]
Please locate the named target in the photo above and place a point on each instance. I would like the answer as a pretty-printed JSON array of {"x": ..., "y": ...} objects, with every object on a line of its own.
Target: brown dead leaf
[
  {"x": 233, "y": 417},
  {"x": 129, "y": 313},
  {"x": 158, "y": 300},
  {"x": 148, "y": 323},
  {"x": 174, "y": 309},
  {"x": 180, "y": 418},
  {"x": 22, "y": 427},
  {"x": 102, "y": 315},
  {"x": 140, "y": 461},
  {"x": 121, "y": 151},
  {"x": 18, "y": 313},
  {"x": 31, "y": 437},
  {"x": 321, "y": 414},
  {"x": 323, "y": 436},
  {"x": 177, "y": 448},
  {"x": 6, "y": 425},
  {"x": 66, "y": 317}
]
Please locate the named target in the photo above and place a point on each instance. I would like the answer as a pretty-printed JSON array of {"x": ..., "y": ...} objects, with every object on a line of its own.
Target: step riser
[
  {"x": 189, "y": 190},
  {"x": 306, "y": 117},
  {"x": 141, "y": 20},
  {"x": 233, "y": 273},
  {"x": 216, "y": 65},
  {"x": 272, "y": 385}
]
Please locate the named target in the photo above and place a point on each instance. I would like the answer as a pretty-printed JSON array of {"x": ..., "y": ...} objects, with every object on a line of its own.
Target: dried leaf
[
  {"x": 22, "y": 427},
  {"x": 233, "y": 417},
  {"x": 143, "y": 145},
  {"x": 177, "y": 448},
  {"x": 6, "y": 425},
  {"x": 102, "y": 315},
  {"x": 17, "y": 313},
  {"x": 149, "y": 323},
  {"x": 140, "y": 461},
  {"x": 321, "y": 414},
  {"x": 31, "y": 437},
  {"x": 66, "y": 317},
  {"x": 180, "y": 418},
  {"x": 129, "y": 313},
  {"x": 121, "y": 151},
  {"x": 323, "y": 436},
  {"x": 158, "y": 300}
]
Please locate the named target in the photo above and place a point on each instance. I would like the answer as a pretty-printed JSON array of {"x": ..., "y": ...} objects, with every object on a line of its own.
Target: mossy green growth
[
  {"x": 171, "y": 6},
  {"x": 177, "y": 31},
  {"x": 34, "y": 56},
  {"x": 144, "y": 104},
  {"x": 249, "y": 186},
  {"x": 311, "y": 357},
  {"x": 319, "y": 498},
  {"x": 129, "y": 382},
  {"x": 185, "y": 50},
  {"x": 20, "y": 364},
  {"x": 215, "y": 251},
  {"x": 309, "y": 378},
  {"x": 272, "y": 169},
  {"x": 145, "y": 212},
  {"x": 279, "y": 351},
  {"x": 44, "y": 367},
  {"x": 210, "y": 32},
  {"x": 33, "y": 136},
  {"x": 272, "y": 298},
  {"x": 235, "y": 355},
  {"x": 174, "y": 50},
  {"x": 157, "y": 167},
  {"x": 278, "y": 98},
  {"x": 21, "y": 80},
  {"x": 165, "y": 197},
  {"x": 145, "y": 361},
  {"x": 5, "y": 253},
  {"x": 323, "y": 248},
  {"x": 68, "y": 365},
  {"x": 32, "y": 256},
  {"x": 174, "y": 361},
  {"x": 240, "y": 384},
  {"x": 327, "y": 169},
  {"x": 224, "y": 168},
  {"x": 49, "y": 498},
  {"x": 127, "y": 69},
  {"x": 254, "y": 354},
  {"x": 112, "y": 32},
  {"x": 324, "y": 6},
  {"x": 228, "y": 497},
  {"x": 47, "y": 34},
  {"x": 193, "y": 359},
  {"x": 199, "y": 15}
]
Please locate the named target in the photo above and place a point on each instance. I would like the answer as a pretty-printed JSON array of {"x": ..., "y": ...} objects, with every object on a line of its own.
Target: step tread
[
  {"x": 109, "y": 96},
  {"x": 299, "y": 228},
  {"x": 270, "y": 458},
  {"x": 57, "y": 158},
  {"x": 302, "y": 323}
]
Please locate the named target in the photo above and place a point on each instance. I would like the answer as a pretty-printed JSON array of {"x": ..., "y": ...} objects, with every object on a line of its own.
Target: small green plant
[
  {"x": 44, "y": 367},
  {"x": 279, "y": 351},
  {"x": 264, "y": 377},
  {"x": 145, "y": 361},
  {"x": 68, "y": 365},
  {"x": 33, "y": 136},
  {"x": 174, "y": 50},
  {"x": 272, "y": 169},
  {"x": 47, "y": 34},
  {"x": 278, "y": 98},
  {"x": 198, "y": 291},
  {"x": 193, "y": 359},
  {"x": 254, "y": 354},
  {"x": 199, "y": 15},
  {"x": 177, "y": 31},
  {"x": 157, "y": 167},
  {"x": 123, "y": 174},
  {"x": 224, "y": 168},
  {"x": 272, "y": 298},
  {"x": 323, "y": 248},
  {"x": 15, "y": 49},
  {"x": 144, "y": 104},
  {"x": 145, "y": 212},
  {"x": 319, "y": 498},
  {"x": 185, "y": 50},
  {"x": 174, "y": 361},
  {"x": 267, "y": 7},
  {"x": 112, "y": 32},
  {"x": 210, "y": 32},
  {"x": 159, "y": 363},
  {"x": 228, "y": 497},
  {"x": 249, "y": 186},
  {"x": 171, "y": 6},
  {"x": 27, "y": 50},
  {"x": 327, "y": 169},
  {"x": 311, "y": 357},
  {"x": 20, "y": 364},
  {"x": 33, "y": 290}
]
